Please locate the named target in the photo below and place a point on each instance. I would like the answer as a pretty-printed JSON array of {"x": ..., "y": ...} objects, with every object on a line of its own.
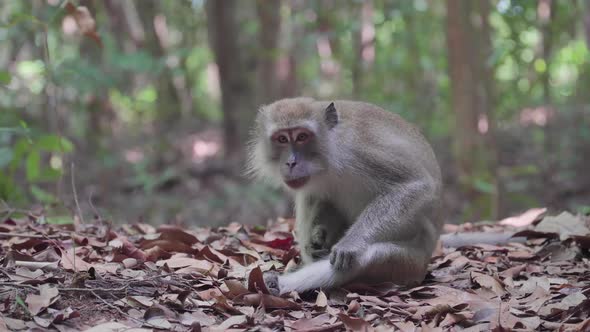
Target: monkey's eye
[
  {"x": 282, "y": 139},
  {"x": 302, "y": 137}
]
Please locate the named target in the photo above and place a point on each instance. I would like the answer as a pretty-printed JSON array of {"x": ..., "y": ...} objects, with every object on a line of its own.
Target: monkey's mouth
[{"x": 297, "y": 183}]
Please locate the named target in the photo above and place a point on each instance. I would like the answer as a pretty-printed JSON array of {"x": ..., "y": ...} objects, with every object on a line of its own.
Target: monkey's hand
[
  {"x": 318, "y": 246},
  {"x": 271, "y": 280},
  {"x": 345, "y": 255}
]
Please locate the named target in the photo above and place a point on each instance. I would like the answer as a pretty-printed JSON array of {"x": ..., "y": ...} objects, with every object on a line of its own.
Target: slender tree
[
  {"x": 268, "y": 35},
  {"x": 469, "y": 47},
  {"x": 237, "y": 95}
]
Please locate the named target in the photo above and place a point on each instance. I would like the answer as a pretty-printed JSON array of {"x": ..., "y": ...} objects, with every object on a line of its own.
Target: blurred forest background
[{"x": 140, "y": 109}]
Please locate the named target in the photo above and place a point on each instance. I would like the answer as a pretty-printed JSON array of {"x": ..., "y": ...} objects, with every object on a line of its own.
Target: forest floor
[{"x": 91, "y": 275}]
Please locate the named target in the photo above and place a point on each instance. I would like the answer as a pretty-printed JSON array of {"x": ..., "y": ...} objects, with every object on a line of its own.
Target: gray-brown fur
[{"x": 373, "y": 189}]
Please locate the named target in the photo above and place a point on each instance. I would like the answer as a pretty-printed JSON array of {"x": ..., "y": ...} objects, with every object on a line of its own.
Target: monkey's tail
[{"x": 319, "y": 274}]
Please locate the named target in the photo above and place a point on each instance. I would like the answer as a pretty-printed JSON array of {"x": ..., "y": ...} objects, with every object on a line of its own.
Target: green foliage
[
  {"x": 5, "y": 77},
  {"x": 39, "y": 157}
]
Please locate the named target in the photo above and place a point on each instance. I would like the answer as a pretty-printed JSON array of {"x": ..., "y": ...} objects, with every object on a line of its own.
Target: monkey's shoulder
[{"x": 367, "y": 117}]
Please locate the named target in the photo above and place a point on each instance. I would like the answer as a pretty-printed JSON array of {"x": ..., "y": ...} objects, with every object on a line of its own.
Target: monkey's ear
[{"x": 331, "y": 115}]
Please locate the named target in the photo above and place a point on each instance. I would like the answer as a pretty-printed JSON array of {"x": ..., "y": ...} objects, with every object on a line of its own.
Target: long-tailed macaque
[{"x": 367, "y": 191}]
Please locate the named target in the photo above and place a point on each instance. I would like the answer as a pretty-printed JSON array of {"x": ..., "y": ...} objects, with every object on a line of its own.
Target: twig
[
  {"x": 76, "y": 193},
  {"x": 112, "y": 306},
  {"x": 94, "y": 209},
  {"x": 35, "y": 236},
  {"x": 45, "y": 266},
  {"x": 97, "y": 289},
  {"x": 10, "y": 210},
  {"x": 116, "y": 289},
  {"x": 15, "y": 285}
]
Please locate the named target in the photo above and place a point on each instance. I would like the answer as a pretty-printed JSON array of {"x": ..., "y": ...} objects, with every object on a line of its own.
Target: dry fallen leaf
[
  {"x": 212, "y": 279},
  {"x": 47, "y": 296},
  {"x": 524, "y": 219}
]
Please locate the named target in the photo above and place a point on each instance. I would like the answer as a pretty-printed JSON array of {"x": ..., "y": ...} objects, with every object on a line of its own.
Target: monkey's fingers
[
  {"x": 341, "y": 259},
  {"x": 271, "y": 280}
]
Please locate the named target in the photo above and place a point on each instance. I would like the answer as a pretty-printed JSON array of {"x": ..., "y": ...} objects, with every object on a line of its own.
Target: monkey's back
[{"x": 381, "y": 130}]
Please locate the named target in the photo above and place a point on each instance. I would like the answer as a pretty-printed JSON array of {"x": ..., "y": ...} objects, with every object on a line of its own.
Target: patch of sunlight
[
  {"x": 33, "y": 73},
  {"x": 147, "y": 95},
  {"x": 56, "y": 162},
  {"x": 540, "y": 66}
]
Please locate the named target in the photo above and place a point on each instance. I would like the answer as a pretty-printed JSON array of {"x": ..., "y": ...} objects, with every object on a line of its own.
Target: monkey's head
[{"x": 290, "y": 143}]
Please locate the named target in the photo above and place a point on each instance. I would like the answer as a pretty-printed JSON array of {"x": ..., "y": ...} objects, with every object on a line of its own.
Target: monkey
[{"x": 367, "y": 189}]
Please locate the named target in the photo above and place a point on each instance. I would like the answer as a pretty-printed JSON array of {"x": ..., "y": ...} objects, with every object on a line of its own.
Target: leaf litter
[{"x": 97, "y": 277}]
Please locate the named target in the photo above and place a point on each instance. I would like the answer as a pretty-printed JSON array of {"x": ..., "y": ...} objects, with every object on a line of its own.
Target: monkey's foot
[{"x": 271, "y": 280}]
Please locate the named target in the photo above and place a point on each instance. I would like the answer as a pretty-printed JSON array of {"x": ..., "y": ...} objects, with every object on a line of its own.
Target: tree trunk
[
  {"x": 545, "y": 14},
  {"x": 587, "y": 23},
  {"x": 365, "y": 47},
  {"x": 268, "y": 34},
  {"x": 462, "y": 84},
  {"x": 237, "y": 100},
  {"x": 292, "y": 50},
  {"x": 469, "y": 47},
  {"x": 487, "y": 102}
]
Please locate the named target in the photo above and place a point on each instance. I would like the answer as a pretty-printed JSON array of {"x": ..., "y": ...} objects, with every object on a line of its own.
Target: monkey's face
[{"x": 295, "y": 152}]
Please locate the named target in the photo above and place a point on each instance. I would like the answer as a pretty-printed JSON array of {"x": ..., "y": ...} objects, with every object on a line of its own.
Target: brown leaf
[
  {"x": 235, "y": 288},
  {"x": 488, "y": 282},
  {"x": 355, "y": 324},
  {"x": 564, "y": 224},
  {"x": 309, "y": 323},
  {"x": 353, "y": 307},
  {"x": 321, "y": 301},
  {"x": 514, "y": 271},
  {"x": 70, "y": 261},
  {"x": 169, "y": 232},
  {"x": 240, "y": 321},
  {"x": 266, "y": 300},
  {"x": 207, "y": 252},
  {"x": 582, "y": 241},
  {"x": 256, "y": 281},
  {"x": 210, "y": 294},
  {"x": 405, "y": 326},
  {"x": 84, "y": 21},
  {"x": 128, "y": 249},
  {"x": 179, "y": 261},
  {"x": 524, "y": 219},
  {"x": 189, "y": 318},
  {"x": 166, "y": 245},
  {"x": 156, "y": 253},
  {"x": 47, "y": 296}
]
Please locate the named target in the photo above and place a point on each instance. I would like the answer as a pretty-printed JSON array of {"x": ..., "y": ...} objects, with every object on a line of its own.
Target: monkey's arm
[{"x": 319, "y": 225}]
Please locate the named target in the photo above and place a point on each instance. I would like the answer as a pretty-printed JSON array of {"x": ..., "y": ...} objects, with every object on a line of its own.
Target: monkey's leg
[
  {"x": 398, "y": 263},
  {"x": 405, "y": 214}
]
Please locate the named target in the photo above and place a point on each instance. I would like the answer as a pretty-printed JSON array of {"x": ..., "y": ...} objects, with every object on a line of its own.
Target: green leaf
[
  {"x": 33, "y": 165},
  {"x": 54, "y": 143},
  {"x": 483, "y": 186},
  {"x": 20, "y": 149},
  {"x": 584, "y": 210},
  {"x": 42, "y": 195},
  {"x": 22, "y": 303},
  {"x": 60, "y": 220},
  {"x": 5, "y": 77},
  {"x": 6, "y": 155}
]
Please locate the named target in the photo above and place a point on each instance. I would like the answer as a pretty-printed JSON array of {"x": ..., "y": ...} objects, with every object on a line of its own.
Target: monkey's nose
[{"x": 291, "y": 164}]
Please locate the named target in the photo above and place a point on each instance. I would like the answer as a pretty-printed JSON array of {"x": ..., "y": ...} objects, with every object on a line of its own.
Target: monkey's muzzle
[{"x": 297, "y": 183}]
